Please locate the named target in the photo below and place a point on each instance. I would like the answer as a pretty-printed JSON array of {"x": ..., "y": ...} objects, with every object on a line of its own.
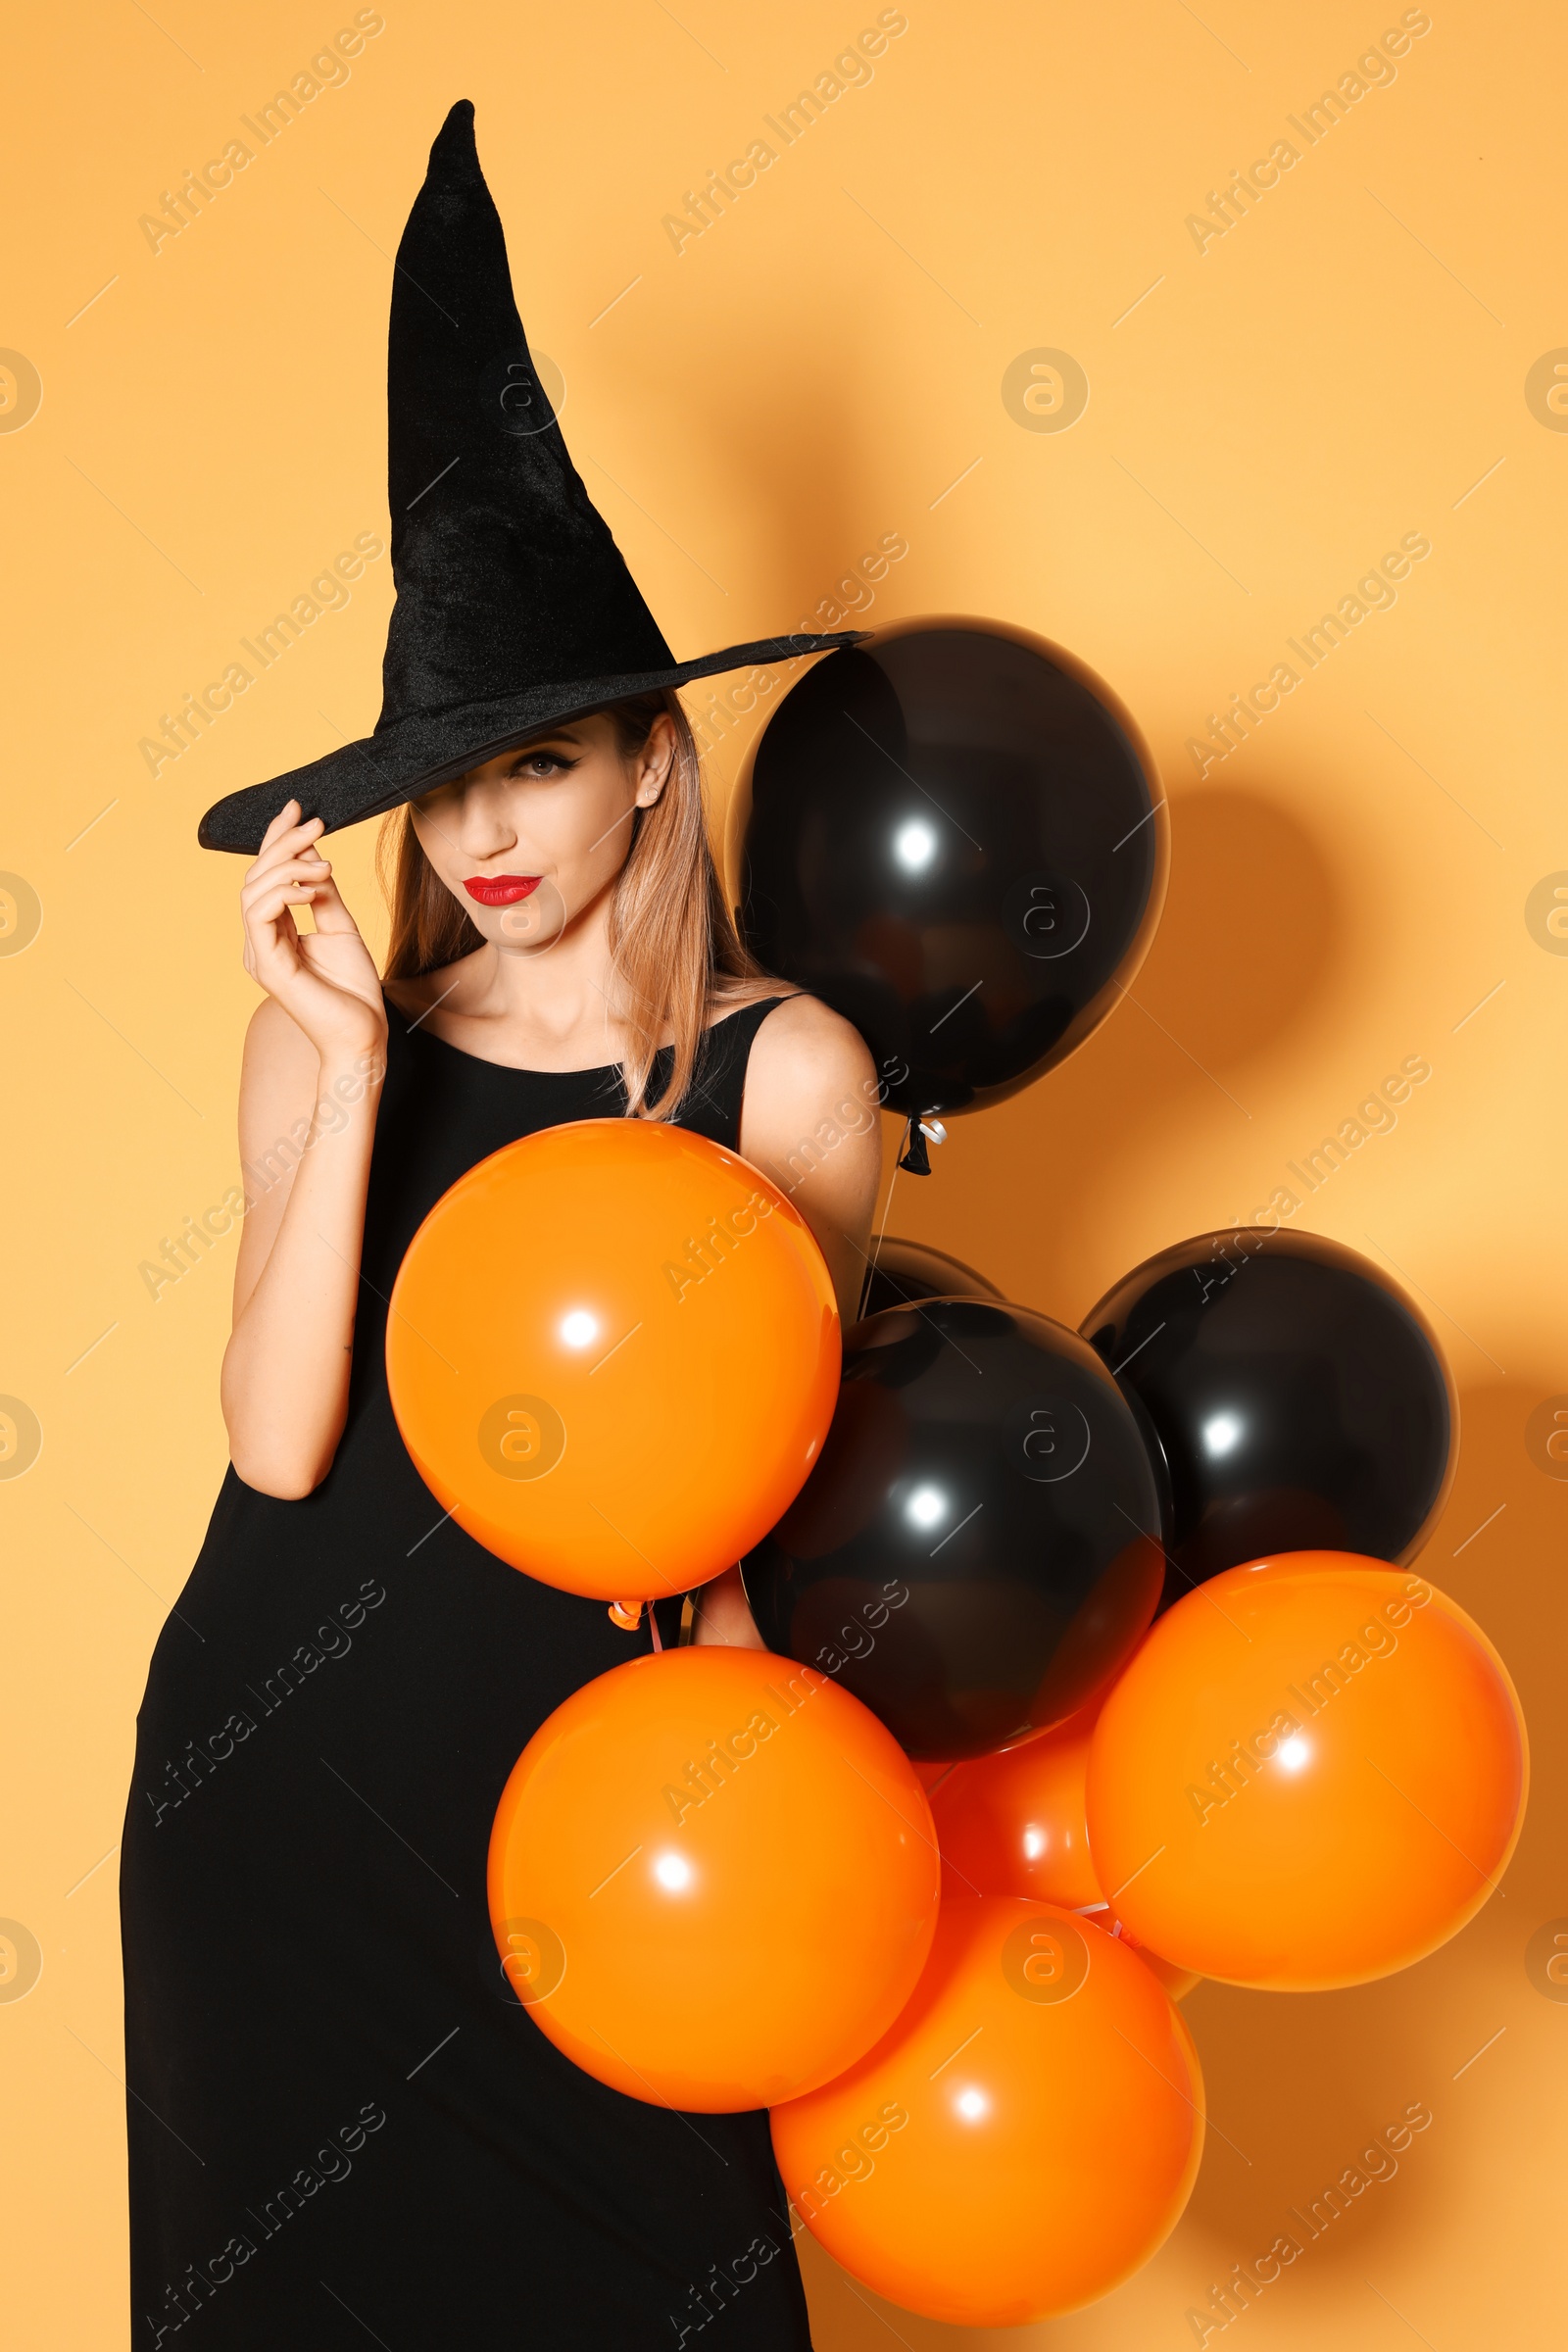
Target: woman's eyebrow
[{"x": 526, "y": 751}]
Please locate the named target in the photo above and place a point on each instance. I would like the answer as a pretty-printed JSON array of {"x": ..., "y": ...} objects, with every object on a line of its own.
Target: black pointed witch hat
[{"x": 514, "y": 607}]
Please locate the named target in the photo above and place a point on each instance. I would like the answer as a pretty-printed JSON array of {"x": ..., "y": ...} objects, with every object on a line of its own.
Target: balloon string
[
  {"x": 874, "y": 1260},
  {"x": 652, "y": 1626}
]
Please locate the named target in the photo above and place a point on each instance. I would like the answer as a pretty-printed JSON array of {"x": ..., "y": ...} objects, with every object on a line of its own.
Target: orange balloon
[
  {"x": 614, "y": 1355},
  {"x": 1178, "y": 1982},
  {"x": 1014, "y": 1823},
  {"x": 1312, "y": 1774},
  {"x": 1021, "y": 2140},
  {"x": 712, "y": 1878}
]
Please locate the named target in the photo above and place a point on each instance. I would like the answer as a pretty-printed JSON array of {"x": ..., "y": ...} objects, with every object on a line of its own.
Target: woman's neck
[{"x": 546, "y": 1003}]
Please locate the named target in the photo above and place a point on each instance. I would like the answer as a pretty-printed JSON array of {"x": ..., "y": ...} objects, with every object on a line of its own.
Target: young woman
[{"x": 343, "y": 2123}]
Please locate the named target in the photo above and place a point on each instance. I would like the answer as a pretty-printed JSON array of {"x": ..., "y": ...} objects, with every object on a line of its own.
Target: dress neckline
[{"x": 599, "y": 1069}]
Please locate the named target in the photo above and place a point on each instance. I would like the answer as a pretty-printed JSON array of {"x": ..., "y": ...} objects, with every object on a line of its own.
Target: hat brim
[{"x": 414, "y": 753}]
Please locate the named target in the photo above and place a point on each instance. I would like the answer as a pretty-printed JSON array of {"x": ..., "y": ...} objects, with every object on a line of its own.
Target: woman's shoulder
[
  {"x": 810, "y": 1109},
  {"x": 801, "y": 1046},
  {"x": 734, "y": 995}
]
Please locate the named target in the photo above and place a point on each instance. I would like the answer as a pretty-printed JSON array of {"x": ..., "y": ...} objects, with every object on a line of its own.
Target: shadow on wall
[
  {"x": 1251, "y": 930},
  {"x": 798, "y": 544},
  {"x": 1305, "y": 2084},
  {"x": 1312, "y": 2094},
  {"x": 1247, "y": 964}
]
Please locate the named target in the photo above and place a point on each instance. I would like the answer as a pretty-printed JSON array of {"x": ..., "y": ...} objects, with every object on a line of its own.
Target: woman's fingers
[
  {"x": 287, "y": 815},
  {"x": 282, "y": 841},
  {"x": 308, "y": 975},
  {"x": 288, "y": 850},
  {"x": 302, "y": 868},
  {"x": 309, "y": 879},
  {"x": 287, "y": 821},
  {"x": 271, "y": 905},
  {"x": 268, "y": 915},
  {"x": 310, "y": 872},
  {"x": 328, "y": 907},
  {"x": 273, "y": 940}
]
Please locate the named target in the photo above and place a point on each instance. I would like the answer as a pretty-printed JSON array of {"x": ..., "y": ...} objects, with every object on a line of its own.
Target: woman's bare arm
[
  {"x": 315, "y": 1056},
  {"x": 811, "y": 1123}
]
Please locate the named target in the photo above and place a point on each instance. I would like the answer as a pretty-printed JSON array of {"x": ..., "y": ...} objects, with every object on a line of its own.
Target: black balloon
[
  {"x": 903, "y": 1270},
  {"x": 1299, "y": 1399},
  {"x": 973, "y": 1555},
  {"x": 956, "y": 838}
]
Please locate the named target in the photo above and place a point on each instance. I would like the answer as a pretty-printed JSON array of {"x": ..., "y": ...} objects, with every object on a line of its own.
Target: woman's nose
[{"x": 484, "y": 826}]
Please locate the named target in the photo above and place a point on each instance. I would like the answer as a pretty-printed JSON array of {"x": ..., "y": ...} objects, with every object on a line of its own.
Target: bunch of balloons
[
  {"x": 1256, "y": 1746},
  {"x": 1095, "y": 1660}
]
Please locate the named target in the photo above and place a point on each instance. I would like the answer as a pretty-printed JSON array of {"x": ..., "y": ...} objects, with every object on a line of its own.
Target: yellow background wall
[{"x": 1368, "y": 877}]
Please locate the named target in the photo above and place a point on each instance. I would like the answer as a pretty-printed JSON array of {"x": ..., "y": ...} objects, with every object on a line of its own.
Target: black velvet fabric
[
  {"x": 514, "y": 607},
  {"x": 506, "y": 574}
]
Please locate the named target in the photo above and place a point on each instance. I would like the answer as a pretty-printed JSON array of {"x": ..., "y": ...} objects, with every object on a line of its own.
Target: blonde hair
[{"x": 675, "y": 947}]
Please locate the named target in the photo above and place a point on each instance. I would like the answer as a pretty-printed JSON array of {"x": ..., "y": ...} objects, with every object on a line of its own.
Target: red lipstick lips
[{"x": 500, "y": 890}]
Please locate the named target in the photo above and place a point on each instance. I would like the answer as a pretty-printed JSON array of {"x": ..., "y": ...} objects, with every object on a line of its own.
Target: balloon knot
[{"x": 914, "y": 1156}]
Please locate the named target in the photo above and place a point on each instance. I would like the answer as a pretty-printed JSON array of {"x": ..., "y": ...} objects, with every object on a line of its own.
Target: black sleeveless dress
[{"x": 344, "y": 2128}]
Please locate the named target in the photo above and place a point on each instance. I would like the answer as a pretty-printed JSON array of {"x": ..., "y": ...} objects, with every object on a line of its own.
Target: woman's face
[{"x": 533, "y": 837}]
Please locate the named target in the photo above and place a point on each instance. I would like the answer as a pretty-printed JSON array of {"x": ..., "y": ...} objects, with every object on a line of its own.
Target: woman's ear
[{"x": 655, "y": 761}]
